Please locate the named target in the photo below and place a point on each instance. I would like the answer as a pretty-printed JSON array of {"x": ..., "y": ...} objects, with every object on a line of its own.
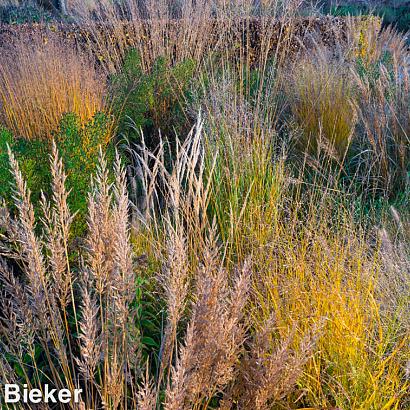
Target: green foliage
[
  {"x": 148, "y": 320},
  {"x": 153, "y": 100},
  {"x": 347, "y": 10},
  {"x": 372, "y": 71},
  {"x": 258, "y": 82},
  {"x": 78, "y": 145},
  {"x": 129, "y": 91},
  {"x": 28, "y": 13},
  {"x": 33, "y": 161},
  {"x": 6, "y": 139},
  {"x": 24, "y": 366},
  {"x": 397, "y": 16}
]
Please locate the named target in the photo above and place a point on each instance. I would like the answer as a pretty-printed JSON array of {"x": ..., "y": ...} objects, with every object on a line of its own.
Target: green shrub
[
  {"x": 20, "y": 14},
  {"x": 33, "y": 158},
  {"x": 78, "y": 145},
  {"x": 348, "y": 10},
  {"x": 153, "y": 100},
  {"x": 396, "y": 16},
  {"x": 371, "y": 71}
]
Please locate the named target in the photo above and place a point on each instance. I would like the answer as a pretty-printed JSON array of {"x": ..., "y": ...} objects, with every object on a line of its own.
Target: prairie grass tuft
[
  {"x": 40, "y": 80},
  {"x": 321, "y": 93}
]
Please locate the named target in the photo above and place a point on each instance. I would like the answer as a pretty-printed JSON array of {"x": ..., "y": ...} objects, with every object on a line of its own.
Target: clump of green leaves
[
  {"x": 372, "y": 71},
  {"x": 153, "y": 100},
  {"x": 78, "y": 145},
  {"x": 33, "y": 157},
  {"x": 24, "y": 13},
  {"x": 398, "y": 16}
]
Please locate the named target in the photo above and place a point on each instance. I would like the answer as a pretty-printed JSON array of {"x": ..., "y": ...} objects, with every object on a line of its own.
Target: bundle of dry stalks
[{"x": 268, "y": 373}]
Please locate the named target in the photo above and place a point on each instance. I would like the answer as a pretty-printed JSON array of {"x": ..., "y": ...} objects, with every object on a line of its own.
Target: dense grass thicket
[{"x": 191, "y": 221}]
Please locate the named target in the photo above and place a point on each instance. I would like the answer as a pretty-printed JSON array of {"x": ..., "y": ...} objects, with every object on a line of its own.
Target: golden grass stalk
[
  {"x": 321, "y": 98},
  {"x": 40, "y": 80}
]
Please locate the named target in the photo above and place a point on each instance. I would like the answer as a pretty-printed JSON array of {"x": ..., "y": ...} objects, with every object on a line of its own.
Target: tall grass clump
[
  {"x": 313, "y": 268},
  {"x": 381, "y": 81},
  {"x": 291, "y": 306},
  {"x": 216, "y": 269},
  {"x": 394, "y": 279},
  {"x": 176, "y": 30},
  {"x": 326, "y": 275},
  {"x": 45, "y": 301},
  {"x": 321, "y": 95},
  {"x": 40, "y": 80},
  {"x": 385, "y": 120},
  {"x": 240, "y": 139},
  {"x": 153, "y": 28}
]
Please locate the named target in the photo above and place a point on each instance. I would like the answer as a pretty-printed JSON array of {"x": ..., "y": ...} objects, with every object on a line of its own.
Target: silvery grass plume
[
  {"x": 270, "y": 369},
  {"x": 41, "y": 293},
  {"x": 206, "y": 361},
  {"x": 181, "y": 194},
  {"x": 44, "y": 319},
  {"x": 110, "y": 267},
  {"x": 175, "y": 283},
  {"x": 394, "y": 280}
]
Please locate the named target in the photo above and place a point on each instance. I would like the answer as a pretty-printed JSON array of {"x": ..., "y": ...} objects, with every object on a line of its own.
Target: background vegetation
[{"x": 193, "y": 219}]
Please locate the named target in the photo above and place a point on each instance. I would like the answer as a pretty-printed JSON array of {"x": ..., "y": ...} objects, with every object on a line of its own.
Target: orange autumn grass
[{"x": 40, "y": 80}]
